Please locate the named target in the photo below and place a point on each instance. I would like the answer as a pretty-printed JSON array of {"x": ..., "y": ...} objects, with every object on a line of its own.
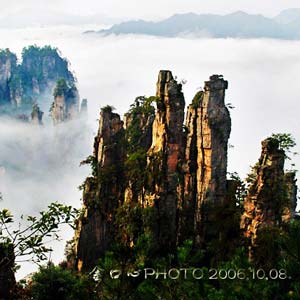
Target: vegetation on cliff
[
  {"x": 162, "y": 220},
  {"x": 32, "y": 79}
]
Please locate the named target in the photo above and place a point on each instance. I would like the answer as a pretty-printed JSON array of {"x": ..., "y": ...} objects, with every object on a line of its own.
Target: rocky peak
[
  {"x": 36, "y": 115},
  {"x": 66, "y": 102},
  {"x": 173, "y": 172},
  {"x": 8, "y": 66},
  {"x": 209, "y": 125},
  {"x": 84, "y": 108},
  {"x": 102, "y": 192},
  {"x": 267, "y": 196},
  {"x": 32, "y": 80},
  {"x": 165, "y": 155}
]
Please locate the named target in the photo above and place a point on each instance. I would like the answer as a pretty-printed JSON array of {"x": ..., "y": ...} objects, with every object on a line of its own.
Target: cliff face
[
  {"x": 9, "y": 94},
  {"x": 66, "y": 102},
  {"x": 36, "y": 115},
  {"x": 167, "y": 149},
  {"x": 165, "y": 166},
  {"x": 31, "y": 81},
  {"x": 271, "y": 197},
  {"x": 208, "y": 125},
  {"x": 102, "y": 192}
]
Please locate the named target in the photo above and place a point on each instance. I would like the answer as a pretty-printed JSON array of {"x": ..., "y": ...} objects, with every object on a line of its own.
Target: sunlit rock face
[
  {"x": 271, "y": 197},
  {"x": 183, "y": 170},
  {"x": 66, "y": 102},
  {"x": 209, "y": 125},
  {"x": 167, "y": 144}
]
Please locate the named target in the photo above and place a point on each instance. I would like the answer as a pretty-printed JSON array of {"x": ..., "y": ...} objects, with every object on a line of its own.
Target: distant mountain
[
  {"x": 235, "y": 25},
  {"x": 288, "y": 16}
]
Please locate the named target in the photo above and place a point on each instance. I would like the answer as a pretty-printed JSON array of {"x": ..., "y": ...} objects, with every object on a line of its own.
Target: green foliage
[
  {"x": 241, "y": 189},
  {"x": 53, "y": 282},
  {"x": 107, "y": 109},
  {"x": 286, "y": 142},
  {"x": 92, "y": 161},
  {"x": 29, "y": 240},
  {"x": 61, "y": 88},
  {"x": 290, "y": 250},
  {"x": 139, "y": 113},
  {"x": 196, "y": 102}
]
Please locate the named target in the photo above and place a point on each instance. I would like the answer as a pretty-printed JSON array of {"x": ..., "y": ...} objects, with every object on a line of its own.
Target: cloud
[
  {"x": 263, "y": 87},
  {"x": 40, "y": 165}
]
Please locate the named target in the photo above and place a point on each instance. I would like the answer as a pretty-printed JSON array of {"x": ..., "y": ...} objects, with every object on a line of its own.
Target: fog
[{"x": 43, "y": 164}]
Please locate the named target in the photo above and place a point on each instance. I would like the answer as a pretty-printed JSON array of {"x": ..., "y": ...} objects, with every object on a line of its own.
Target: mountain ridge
[{"x": 238, "y": 24}]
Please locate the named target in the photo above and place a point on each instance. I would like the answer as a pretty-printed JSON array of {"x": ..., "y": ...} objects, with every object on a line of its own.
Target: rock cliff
[
  {"x": 32, "y": 80},
  {"x": 102, "y": 192},
  {"x": 271, "y": 197},
  {"x": 157, "y": 162},
  {"x": 36, "y": 115},
  {"x": 165, "y": 155},
  {"x": 66, "y": 102},
  {"x": 208, "y": 125},
  {"x": 158, "y": 180}
]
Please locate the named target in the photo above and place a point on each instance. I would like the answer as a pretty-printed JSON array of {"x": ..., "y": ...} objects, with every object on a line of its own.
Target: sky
[
  {"x": 262, "y": 75},
  {"x": 148, "y": 9}
]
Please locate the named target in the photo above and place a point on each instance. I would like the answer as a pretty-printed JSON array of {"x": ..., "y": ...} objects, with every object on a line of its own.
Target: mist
[{"x": 41, "y": 164}]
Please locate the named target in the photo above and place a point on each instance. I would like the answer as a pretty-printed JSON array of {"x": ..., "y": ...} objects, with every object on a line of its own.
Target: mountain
[
  {"x": 288, "y": 16},
  {"x": 32, "y": 81},
  {"x": 236, "y": 25},
  {"x": 158, "y": 182}
]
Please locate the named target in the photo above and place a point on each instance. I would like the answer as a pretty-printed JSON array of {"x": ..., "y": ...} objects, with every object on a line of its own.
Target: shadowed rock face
[
  {"x": 7, "y": 275},
  {"x": 102, "y": 192},
  {"x": 167, "y": 144},
  {"x": 271, "y": 197},
  {"x": 290, "y": 209},
  {"x": 185, "y": 167},
  {"x": 36, "y": 115}
]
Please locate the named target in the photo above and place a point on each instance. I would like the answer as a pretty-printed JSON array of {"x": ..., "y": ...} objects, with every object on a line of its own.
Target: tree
[
  {"x": 27, "y": 240},
  {"x": 54, "y": 282},
  {"x": 286, "y": 142}
]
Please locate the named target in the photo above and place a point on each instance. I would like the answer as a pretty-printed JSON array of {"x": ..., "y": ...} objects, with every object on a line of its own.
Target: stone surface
[
  {"x": 208, "y": 128},
  {"x": 167, "y": 145},
  {"x": 268, "y": 195},
  {"x": 65, "y": 105},
  {"x": 32, "y": 80},
  {"x": 102, "y": 192},
  {"x": 36, "y": 115},
  {"x": 84, "y": 108},
  {"x": 184, "y": 170}
]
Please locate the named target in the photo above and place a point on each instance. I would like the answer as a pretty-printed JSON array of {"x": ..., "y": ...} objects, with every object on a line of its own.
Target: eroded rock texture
[
  {"x": 32, "y": 80},
  {"x": 102, "y": 192},
  {"x": 36, "y": 115},
  {"x": 271, "y": 197},
  {"x": 208, "y": 124},
  {"x": 66, "y": 102},
  {"x": 177, "y": 171},
  {"x": 165, "y": 155}
]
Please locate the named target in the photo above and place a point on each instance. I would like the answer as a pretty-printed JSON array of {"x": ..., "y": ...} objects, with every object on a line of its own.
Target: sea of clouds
[{"x": 39, "y": 165}]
